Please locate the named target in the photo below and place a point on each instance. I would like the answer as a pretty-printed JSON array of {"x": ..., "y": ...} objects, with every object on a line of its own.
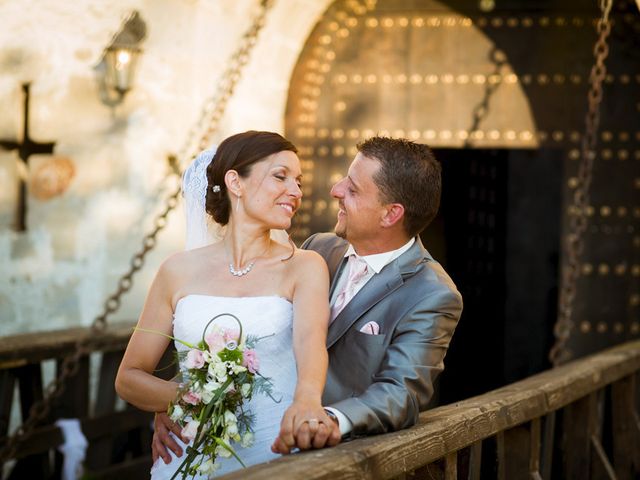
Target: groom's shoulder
[{"x": 323, "y": 242}]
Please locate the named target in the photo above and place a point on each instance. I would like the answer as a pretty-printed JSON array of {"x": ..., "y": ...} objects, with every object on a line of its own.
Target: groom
[{"x": 393, "y": 307}]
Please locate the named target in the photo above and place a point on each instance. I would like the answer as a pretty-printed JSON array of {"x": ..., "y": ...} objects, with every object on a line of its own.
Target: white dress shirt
[{"x": 376, "y": 263}]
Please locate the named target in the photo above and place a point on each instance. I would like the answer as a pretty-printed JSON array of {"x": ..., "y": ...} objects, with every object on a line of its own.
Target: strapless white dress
[{"x": 267, "y": 316}]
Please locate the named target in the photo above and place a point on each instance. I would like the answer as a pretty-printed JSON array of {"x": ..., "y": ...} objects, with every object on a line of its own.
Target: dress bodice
[
  {"x": 262, "y": 316},
  {"x": 267, "y": 317}
]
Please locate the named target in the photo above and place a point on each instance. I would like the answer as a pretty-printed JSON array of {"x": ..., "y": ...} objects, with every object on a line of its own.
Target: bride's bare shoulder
[
  {"x": 308, "y": 261},
  {"x": 186, "y": 263}
]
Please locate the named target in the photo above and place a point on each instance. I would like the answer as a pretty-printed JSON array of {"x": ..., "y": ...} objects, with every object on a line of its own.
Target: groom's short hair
[{"x": 410, "y": 175}]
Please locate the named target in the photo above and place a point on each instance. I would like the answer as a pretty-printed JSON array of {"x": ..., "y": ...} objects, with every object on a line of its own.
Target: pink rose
[
  {"x": 250, "y": 360},
  {"x": 231, "y": 334},
  {"x": 215, "y": 341},
  {"x": 190, "y": 429},
  {"x": 192, "y": 398},
  {"x": 195, "y": 359}
]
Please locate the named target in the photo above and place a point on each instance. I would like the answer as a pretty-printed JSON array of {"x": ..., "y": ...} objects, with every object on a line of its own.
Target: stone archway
[
  {"x": 395, "y": 68},
  {"x": 419, "y": 69}
]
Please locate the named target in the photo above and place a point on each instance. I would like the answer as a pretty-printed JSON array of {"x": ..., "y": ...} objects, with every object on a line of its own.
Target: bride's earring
[{"x": 238, "y": 204}]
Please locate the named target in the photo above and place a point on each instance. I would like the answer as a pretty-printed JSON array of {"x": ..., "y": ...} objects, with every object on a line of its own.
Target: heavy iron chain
[
  {"x": 196, "y": 138},
  {"x": 581, "y": 196},
  {"x": 481, "y": 110}
]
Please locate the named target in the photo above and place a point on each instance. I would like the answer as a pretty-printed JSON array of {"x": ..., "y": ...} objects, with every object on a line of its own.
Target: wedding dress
[{"x": 266, "y": 316}]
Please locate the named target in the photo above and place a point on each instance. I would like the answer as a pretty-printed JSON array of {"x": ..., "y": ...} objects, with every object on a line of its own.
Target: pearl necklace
[{"x": 242, "y": 272}]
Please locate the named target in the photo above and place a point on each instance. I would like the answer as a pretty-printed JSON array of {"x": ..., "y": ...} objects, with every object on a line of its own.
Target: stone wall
[{"x": 60, "y": 271}]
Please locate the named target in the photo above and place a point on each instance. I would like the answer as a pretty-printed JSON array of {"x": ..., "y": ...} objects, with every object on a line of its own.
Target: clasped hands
[{"x": 303, "y": 426}]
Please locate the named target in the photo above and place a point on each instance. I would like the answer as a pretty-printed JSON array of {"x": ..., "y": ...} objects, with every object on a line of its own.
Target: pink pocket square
[{"x": 371, "y": 328}]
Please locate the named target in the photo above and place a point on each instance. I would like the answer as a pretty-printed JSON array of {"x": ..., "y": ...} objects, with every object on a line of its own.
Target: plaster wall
[{"x": 78, "y": 244}]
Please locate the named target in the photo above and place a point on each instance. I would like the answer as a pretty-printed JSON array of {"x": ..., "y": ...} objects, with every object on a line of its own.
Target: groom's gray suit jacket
[{"x": 382, "y": 382}]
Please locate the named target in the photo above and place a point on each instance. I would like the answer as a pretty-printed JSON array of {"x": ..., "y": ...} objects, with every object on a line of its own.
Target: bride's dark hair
[{"x": 238, "y": 152}]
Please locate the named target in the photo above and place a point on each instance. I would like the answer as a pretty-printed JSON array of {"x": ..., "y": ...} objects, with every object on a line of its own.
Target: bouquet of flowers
[{"x": 219, "y": 374}]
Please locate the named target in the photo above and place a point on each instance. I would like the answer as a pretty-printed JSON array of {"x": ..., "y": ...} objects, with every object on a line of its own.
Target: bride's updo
[{"x": 238, "y": 152}]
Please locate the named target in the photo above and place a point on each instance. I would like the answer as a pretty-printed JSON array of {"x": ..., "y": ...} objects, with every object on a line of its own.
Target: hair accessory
[{"x": 216, "y": 189}]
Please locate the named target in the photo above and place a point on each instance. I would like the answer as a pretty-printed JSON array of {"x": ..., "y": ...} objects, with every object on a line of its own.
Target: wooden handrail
[
  {"x": 440, "y": 433},
  {"x": 45, "y": 438},
  {"x": 28, "y": 348},
  {"x": 450, "y": 428}
]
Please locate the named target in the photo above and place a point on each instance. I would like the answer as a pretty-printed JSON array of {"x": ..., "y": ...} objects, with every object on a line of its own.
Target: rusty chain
[
  {"x": 481, "y": 110},
  {"x": 197, "y": 139},
  {"x": 581, "y": 196}
]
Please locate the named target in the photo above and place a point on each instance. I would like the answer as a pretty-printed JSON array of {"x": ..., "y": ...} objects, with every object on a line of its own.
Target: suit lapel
[
  {"x": 375, "y": 290},
  {"x": 382, "y": 284}
]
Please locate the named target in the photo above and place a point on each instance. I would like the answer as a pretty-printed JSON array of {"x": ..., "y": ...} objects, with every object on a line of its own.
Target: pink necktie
[{"x": 357, "y": 271}]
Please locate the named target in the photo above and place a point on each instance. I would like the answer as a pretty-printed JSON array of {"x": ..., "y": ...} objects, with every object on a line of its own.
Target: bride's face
[{"x": 272, "y": 190}]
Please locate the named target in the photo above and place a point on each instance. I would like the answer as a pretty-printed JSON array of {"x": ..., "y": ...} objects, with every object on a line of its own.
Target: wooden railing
[
  {"x": 119, "y": 441},
  {"x": 578, "y": 421}
]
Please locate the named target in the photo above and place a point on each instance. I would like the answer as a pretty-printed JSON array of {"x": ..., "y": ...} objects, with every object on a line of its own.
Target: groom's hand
[
  {"x": 162, "y": 440},
  {"x": 296, "y": 432},
  {"x": 324, "y": 437},
  {"x": 327, "y": 435}
]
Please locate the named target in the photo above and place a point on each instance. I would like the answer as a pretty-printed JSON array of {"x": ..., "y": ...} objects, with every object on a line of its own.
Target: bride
[{"x": 277, "y": 291}]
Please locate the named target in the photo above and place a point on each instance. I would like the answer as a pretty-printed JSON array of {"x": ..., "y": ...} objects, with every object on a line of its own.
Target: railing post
[
  {"x": 548, "y": 445},
  {"x": 475, "y": 460},
  {"x": 626, "y": 428},
  {"x": 584, "y": 456},
  {"x": 451, "y": 466},
  {"x": 519, "y": 452},
  {"x": 30, "y": 387},
  {"x": 577, "y": 428},
  {"x": 514, "y": 447},
  {"x": 7, "y": 387},
  {"x": 105, "y": 404},
  {"x": 534, "y": 453}
]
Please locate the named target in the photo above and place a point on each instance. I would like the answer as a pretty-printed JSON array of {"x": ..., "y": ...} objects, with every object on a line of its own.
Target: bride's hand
[
  {"x": 302, "y": 422},
  {"x": 162, "y": 441}
]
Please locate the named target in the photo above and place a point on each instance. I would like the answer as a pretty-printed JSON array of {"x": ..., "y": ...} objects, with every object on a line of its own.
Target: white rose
[
  {"x": 211, "y": 386},
  {"x": 220, "y": 371},
  {"x": 176, "y": 413},
  {"x": 229, "y": 417},
  {"x": 247, "y": 440},
  {"x": 245, "y": 389},
  {"x": 215, "y": 360},
  {"x": 223, "y": 452},
  {"x": 206, "y": 396},
  {"x": 208, "y": 467},
  {"x": 238, "y": 368},
  {"x": 232, "y": 429},
  {"x": 190, "y": 429}
]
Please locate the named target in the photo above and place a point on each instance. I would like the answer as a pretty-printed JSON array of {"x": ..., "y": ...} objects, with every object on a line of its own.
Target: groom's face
[{"x": 360, "y": 209}]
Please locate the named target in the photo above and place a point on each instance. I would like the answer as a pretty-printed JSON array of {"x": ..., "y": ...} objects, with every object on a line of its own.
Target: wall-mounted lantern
[{"x": 117, "y": 68}]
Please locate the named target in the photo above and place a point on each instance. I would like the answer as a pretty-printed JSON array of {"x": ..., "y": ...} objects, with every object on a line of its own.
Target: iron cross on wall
[{"x": 25, "y": 149}]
